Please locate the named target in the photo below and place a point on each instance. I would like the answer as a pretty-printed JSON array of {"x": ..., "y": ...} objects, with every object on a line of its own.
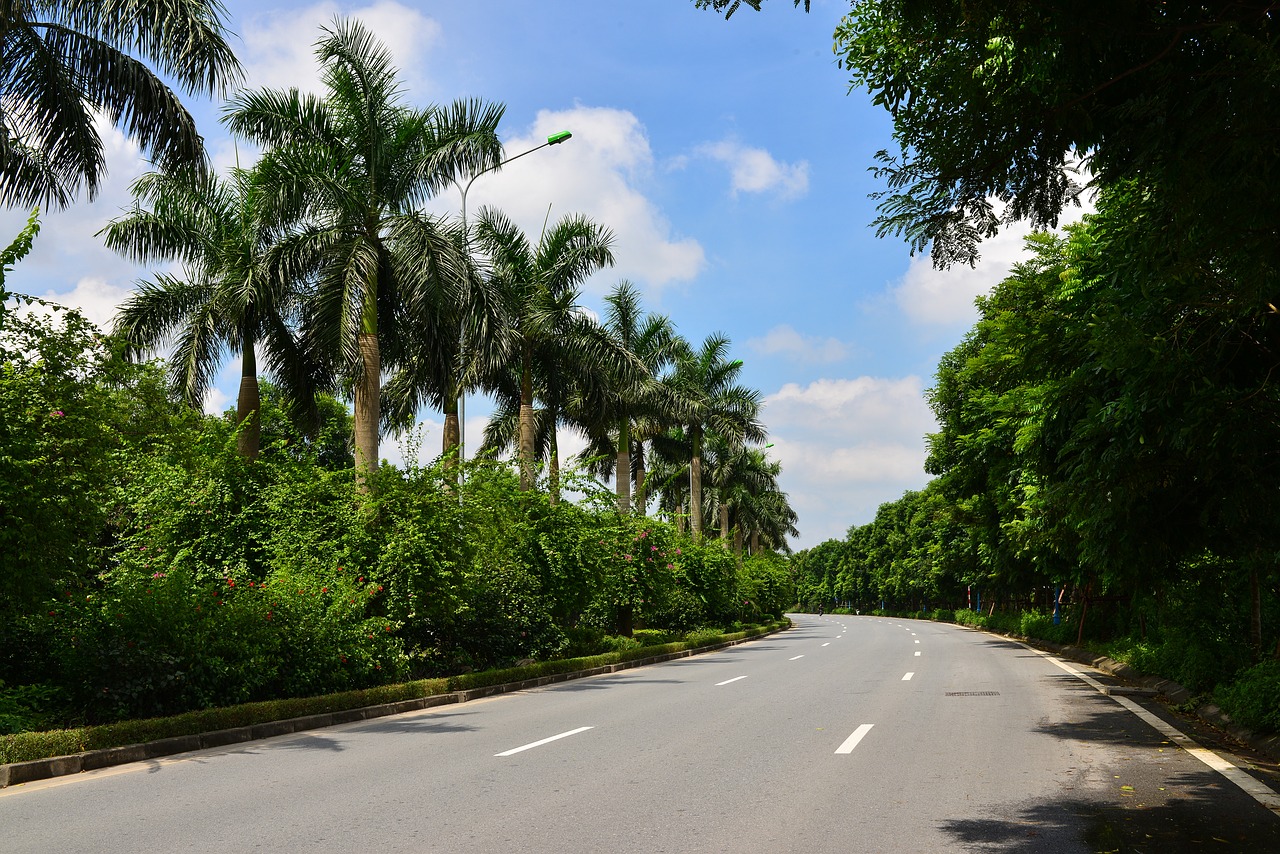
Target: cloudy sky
[{"x": 730, "y": 159}]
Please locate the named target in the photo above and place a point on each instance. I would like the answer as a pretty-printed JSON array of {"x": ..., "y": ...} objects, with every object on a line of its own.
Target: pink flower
[
  {"x": 653, "y": 548},
  {"x": 628, "y": 557},
  {"x": 57, "y": 413}
]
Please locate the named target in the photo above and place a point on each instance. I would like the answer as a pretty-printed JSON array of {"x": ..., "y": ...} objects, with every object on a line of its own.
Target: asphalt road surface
[{"x": 843, "y": 734}]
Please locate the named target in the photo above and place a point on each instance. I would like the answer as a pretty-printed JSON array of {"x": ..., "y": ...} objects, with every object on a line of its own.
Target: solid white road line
[
  {"x": 795, "y": 658},
  {"x": 907, "y": 678},
  {"x": 852, "y": 741},
  {"x": 1260, "y": 792},
  {"x": 544, "y": 741},
  {"x": 727, "y": 681}
]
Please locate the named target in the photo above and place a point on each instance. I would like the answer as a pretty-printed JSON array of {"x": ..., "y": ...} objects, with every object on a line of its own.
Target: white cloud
[
  {"x": 596, "y": 173},
  {"x": 96, "y": 298},
  {"x": 846, "y": 447},
  {"x": 279, "y": 46},
  {"x": 217, "y": 401},
  {"x": 754, "y": 170},
  {"x": 946, "y": 297},
  {"x": 808, "y": 349},
  {"x": 929, "y": 296},
  {"x": 68, "y": 263}
]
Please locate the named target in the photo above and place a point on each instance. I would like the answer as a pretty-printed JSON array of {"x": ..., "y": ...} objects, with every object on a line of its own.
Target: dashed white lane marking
[
  {"x": 852, "y": 741},
  {"x": 917, "y": 652},
  {"x": 727, "y": 681},
  {"x": 795, "y": 657},
  {"x": 916, "y": 641},
  {"x": 828, "y": 643},
  {"x": 907, "y": 678},
  {"x": 1260, "y": 792},
  {"x": 541, "y": 742}
]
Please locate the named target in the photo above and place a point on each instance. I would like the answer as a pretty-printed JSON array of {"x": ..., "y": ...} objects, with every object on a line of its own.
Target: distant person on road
[{"x": 820, "y": 608}]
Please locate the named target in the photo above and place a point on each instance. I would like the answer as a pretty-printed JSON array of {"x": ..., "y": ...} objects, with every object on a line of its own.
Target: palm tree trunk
[
  {"x": 755, "y": 541},
  {"x": 248, "y": 404},
  {"x": 526, "y": 429},
  {"x": 367, "y": 413},
  {"x": 642, "y": 483},
  {"x": 695, "y": 485},
  {"x": 724, "y": 524},
  {"x": 452, "y": 437},
  {"x": 623, "y": 470},
  {"x": 737, "y": 544},
  {"x": 553, "y": 470}
]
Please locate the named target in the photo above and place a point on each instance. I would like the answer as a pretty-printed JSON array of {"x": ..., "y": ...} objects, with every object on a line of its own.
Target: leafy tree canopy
[{"x": 996, "y": 100}]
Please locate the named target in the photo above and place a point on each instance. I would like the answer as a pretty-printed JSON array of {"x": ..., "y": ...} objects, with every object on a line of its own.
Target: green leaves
[{"x": 62, "y": 61}]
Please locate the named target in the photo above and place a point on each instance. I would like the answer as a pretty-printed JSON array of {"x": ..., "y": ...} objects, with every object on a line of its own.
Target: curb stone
[{"x": 15, "y": 773}]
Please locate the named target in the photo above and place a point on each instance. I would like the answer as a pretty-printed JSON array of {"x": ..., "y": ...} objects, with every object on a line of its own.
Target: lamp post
[{"x": 554, "y": 139}]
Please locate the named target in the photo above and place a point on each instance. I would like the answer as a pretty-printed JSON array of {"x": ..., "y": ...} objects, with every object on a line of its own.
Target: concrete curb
[
  {"x": 14, "y": 773},
  {"x": 1267, "y": 745}
]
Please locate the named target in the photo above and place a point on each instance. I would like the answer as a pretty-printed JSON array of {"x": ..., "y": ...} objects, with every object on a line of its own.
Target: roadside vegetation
[
  {"x": 156, "y": 561},
  {"x": 1108, "y": 430}
]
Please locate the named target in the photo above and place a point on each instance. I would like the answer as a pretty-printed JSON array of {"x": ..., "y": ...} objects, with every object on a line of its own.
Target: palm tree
[
  {"x": 707, "y": 399},
  {"x": 437, "y": 368},
  {"x": 616, "y": 424},
  {"x": 768, "y": 519},
  {"x": 552, "y": 340},
  {"x": 232, "y": 296},
  {"x": 63, "y": 61},
  {"x": 746, "y": 493},
  {"x": 363, "y": 164}
]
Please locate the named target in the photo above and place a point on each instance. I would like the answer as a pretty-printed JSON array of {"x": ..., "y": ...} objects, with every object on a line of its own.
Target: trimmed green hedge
[{"x": 26, "y": 746}]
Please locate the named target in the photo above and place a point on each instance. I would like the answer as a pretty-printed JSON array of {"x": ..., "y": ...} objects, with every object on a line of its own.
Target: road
[{"x": 843, "y": 734}]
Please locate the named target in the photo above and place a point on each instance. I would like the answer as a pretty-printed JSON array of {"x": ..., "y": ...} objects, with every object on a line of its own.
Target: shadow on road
[
  {"x": 416, "y": 724},
  {"x": 603, "y": 682},
  {"x": 1201, "y": 819}
]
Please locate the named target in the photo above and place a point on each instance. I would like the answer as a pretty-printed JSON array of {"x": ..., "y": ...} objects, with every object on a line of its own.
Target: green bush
[
  {"x": 1253, "y": 699},
  {"x": 28, "y": 707}
]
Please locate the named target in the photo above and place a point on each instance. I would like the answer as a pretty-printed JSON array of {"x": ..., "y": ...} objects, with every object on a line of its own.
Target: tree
[
  {"x": 232, "y": 295},
  {"x": 64, "y": 61},
  {"x": 362, "y": 163},
  {"x": 707, "y": 399},
  {"x": 551, "y": 338},
  {"x": 992, "y": 101},
  {"x": 731, "y": 6},
  {"x": 447, "y": 354},
  {"x": 616, "y": 432}
]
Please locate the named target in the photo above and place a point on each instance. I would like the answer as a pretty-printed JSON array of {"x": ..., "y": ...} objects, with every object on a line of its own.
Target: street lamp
[{"x": 554, "y": 139}]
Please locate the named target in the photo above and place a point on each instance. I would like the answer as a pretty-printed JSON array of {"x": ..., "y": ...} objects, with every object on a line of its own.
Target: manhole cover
[{"x": 973, "y": 693}]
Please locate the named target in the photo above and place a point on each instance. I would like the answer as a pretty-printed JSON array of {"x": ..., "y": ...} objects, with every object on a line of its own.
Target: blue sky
[{"x": 731, "y": 161}]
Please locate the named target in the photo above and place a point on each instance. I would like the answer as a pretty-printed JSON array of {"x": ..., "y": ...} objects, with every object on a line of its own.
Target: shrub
[{"x": 1253, "y": 699}]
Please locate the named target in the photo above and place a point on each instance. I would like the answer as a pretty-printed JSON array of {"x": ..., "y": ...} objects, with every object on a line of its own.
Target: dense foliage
[
  {"x": 1108, "y": 430},
  {"x": 150, "y": 569},
  {"x": 1107, "y": 445}
]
